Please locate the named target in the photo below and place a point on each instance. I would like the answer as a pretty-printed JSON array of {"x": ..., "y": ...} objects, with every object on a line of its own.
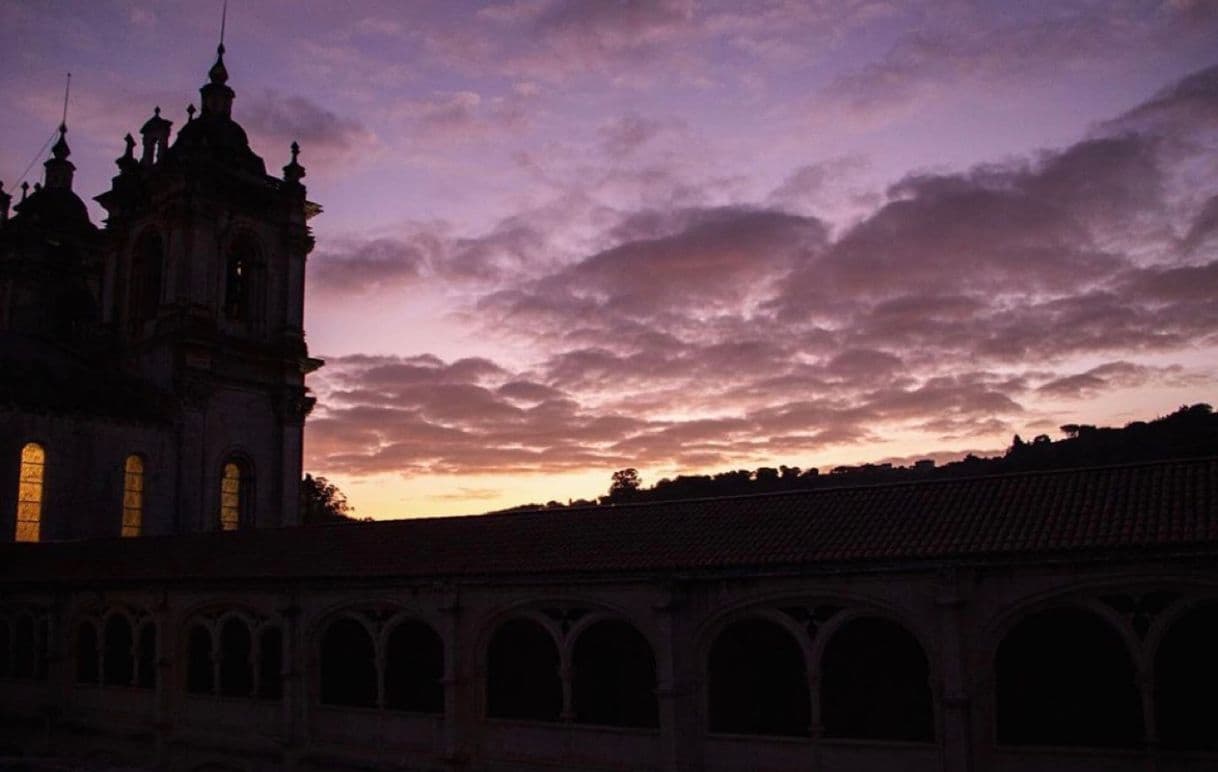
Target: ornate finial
[
  {"x": 294, "y": 172},
  {"x": 25, "y": 191},
  {"x": 218, "y": 73},
  {"x": 60, "y": 149},
  {"x": 156, "y": 112},
  {"x": 190, "y": 112},
  {"x": 129, "y": 141},
  {"x": 127, "y": 161}
]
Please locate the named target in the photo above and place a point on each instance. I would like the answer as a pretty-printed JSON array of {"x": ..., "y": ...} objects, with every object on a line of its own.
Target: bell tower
[{"x": 203, "y": 294}]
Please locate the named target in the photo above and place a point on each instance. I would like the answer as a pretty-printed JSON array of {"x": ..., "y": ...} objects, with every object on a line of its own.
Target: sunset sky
[{"x": 562, "y": 237}]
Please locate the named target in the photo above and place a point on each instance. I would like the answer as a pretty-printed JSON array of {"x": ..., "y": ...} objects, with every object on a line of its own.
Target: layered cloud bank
[{"x": 962, "y": 308}]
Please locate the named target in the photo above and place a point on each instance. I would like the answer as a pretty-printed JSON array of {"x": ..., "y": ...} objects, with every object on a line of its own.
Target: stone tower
[{"x": 203, "y": 293}]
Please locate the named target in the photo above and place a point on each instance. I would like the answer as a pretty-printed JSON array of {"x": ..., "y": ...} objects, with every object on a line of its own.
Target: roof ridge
[{"x": 821, "y": 490}]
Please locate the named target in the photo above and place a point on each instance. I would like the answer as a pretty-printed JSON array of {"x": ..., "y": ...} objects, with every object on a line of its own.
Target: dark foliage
[
  {"x": 1190, "y": 432},
  {"x": 321, "y": 501}
]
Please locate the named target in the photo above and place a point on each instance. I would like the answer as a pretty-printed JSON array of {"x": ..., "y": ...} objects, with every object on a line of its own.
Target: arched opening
[
  {"x": 270, "y": 664},
  {"x": 145, "y": 661},
  {"x": 1064, "y": 677},
  {"x": 25, "y": 650},
  {"x": 243, "y": 279},
  {"x": 86, "y": 653},
  {"x": 614, "y": 682},
  {"x": 874, "y": 681},
  {"x": 522, "y": 673},
  {"x": 348, "y": 665},
  {"x": 133, "y": 496},
  {"x": 118, "y": 657},
  {"x": 29, "y": 492},
  {"x": 414, "y": 669},
  {"x": 147, "y": 267},
  {"x": 757, "y": 681},
  {"x": 200, "y": 675},
  {"x": 236, "y": 666},
  {"x": 1186, "y": 682},
  {"x": 236, "y": 489}
]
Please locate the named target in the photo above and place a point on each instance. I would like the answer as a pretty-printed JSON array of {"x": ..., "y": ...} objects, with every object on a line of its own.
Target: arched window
[
  {"x": 118, "y": 656},
  {"x": 236, "y": 665},
  {"x": 86, "y": 654},
  {"x": 29, "y": 492},
  {"x": 874, "y": 684},
  {"x": 522, "y": 673},
  {"x": 145, "y": 661},
  {"x": 758, "y": 681},
  {"x": 235, "y": 491},
  {"x": 270, "y": 664},
  {"x": 348, "y": 665},
  {"x": 1186, "y": 681},
  {"x": 615, "y": 677},
  {"x": 1064, "y": 677},
  {"x": 414, "y": 667},
  {"x": 200, "y": 675},
  {"x": 147, "y": 267},
  {"x": 243, "y": 280},
  {"x": 133, "y": 496}
]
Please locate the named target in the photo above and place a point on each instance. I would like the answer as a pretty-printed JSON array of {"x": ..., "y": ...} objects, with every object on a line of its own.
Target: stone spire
[{"x": 58, "y": 168}]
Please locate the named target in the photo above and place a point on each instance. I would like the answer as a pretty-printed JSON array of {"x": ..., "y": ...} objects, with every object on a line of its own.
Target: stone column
[{"x": 953, "y": 700}]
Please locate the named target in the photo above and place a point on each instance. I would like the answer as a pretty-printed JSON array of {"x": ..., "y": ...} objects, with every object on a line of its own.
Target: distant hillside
[{"x": 1191, "y": 431}]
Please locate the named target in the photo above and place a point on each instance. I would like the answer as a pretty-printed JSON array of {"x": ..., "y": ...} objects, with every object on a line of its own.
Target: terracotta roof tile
[{"x": 1172, "y": 504}]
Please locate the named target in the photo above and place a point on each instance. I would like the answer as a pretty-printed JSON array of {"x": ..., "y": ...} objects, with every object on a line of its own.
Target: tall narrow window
[
  {"x": 242, "y": 280},
  {"x": 133, "y": 496},
  {"x": 230, "y": 497},
  {"x": 147, "y": 266},
  {"x": 29, "y": 494}
]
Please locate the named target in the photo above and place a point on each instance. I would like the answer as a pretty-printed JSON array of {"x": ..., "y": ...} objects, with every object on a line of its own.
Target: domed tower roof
[{"x": 214, "y": 136}]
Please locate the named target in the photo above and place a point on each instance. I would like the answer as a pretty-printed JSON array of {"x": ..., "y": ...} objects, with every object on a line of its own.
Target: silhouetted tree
[
  {"x": 321, "y": 501},
  {"x": 625, "y": 484}
]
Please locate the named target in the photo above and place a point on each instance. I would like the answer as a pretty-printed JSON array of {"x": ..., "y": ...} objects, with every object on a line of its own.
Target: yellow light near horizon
[{"x": 29, "y": 492}]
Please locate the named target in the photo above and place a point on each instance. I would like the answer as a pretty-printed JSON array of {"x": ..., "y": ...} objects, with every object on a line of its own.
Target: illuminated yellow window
[
  {"x": 29, "y": 494},
  {"x": 133, "y": 496},
  {"x": 230, "y": 497}
]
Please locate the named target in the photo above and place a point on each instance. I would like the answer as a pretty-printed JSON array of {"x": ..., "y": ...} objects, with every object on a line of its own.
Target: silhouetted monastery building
[
  {"x": 153, "y": 364},
  {"x": 1062, "y": 620}
]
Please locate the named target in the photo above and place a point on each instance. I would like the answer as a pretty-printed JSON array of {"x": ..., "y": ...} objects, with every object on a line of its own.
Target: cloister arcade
[{"x": 838, "y": 680}]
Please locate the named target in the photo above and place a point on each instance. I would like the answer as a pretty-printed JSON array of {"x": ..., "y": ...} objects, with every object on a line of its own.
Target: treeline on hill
[{"x": 1191, "y": 431}]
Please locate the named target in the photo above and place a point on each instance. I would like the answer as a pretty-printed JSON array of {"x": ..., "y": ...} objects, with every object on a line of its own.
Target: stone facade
[
  {"x": 959, "y": 615},
  {"x": 175, "y": 335}
]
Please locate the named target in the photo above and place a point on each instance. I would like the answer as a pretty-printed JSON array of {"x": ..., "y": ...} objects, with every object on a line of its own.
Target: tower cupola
[
  {"x": 59, "y": 169},
  {"x": 217, "y": 96}
]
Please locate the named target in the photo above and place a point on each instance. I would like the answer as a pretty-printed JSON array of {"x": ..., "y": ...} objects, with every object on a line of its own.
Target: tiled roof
[{"x": 1158, "y": 506}]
